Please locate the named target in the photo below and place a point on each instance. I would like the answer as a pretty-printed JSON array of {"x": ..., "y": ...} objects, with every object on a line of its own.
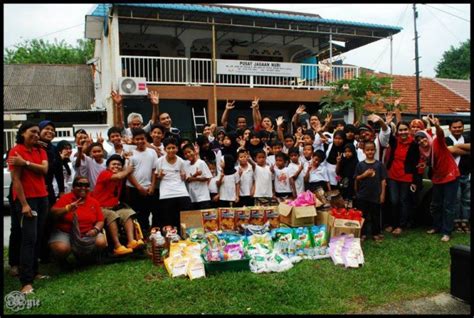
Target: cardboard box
[
  {"x": 322, "y": 217},
  {"x": 296, "y": 216},
  {"x": 189, "y": 219},
  {"x": 339, "y": 227}
]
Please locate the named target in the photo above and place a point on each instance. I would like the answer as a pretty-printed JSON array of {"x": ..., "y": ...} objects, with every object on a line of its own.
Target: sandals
[
  {"x": 389, "y": 229},
  {"x": 41, "y": 276},
  {"x": 397, "y": 231},
  {"x": 27, "y": 289},
  {"x": 432, "y": 231},
  {"x": 378, "y": 238},
  {"x": 445, "y": 238}
]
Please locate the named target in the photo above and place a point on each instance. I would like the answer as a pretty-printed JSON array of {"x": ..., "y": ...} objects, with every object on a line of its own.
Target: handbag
[{"x": 81, "y": 245}]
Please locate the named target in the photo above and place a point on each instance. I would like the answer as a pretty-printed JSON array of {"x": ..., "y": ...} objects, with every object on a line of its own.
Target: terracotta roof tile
[{"x": 434, "y": 97}]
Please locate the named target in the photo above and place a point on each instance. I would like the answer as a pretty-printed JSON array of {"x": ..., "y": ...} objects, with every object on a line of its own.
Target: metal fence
[{"x": 198, "y": 71}]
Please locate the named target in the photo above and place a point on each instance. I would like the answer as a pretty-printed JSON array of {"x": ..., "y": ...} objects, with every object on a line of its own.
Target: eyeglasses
[{"x": 82, "y": 184}]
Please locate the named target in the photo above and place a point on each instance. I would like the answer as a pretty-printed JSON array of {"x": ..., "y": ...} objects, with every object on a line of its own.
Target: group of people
[{"x": 153, "y": 171}]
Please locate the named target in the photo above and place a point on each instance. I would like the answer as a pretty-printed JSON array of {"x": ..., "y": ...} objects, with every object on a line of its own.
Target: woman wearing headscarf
[
  {"x": 333, "y": 150},
  {"x": 403, "y": 177},
  {"x": 28, "y": 165},
  {"x": 345, "y": 169},
  {"x": 445, "y": 177}
]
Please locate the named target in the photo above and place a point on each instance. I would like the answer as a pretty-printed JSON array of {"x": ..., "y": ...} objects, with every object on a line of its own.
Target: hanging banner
[{"x": 262, "y": 68}]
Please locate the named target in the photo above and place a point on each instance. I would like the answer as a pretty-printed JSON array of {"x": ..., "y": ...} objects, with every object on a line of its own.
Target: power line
[
  {"x": 457, "y": 9},
  {"x": 42, "y": 36},
  {"x": 378, "y": 59},
  {"x": 443, "y": 25},
  {"x": 448, "y": 13},
  {"x": 403, "y": 35}
]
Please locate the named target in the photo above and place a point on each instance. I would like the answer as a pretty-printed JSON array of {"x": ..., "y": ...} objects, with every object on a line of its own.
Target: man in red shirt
[
  {"x": 107, "y": 191},
  {"x": 89, "y": 216}
]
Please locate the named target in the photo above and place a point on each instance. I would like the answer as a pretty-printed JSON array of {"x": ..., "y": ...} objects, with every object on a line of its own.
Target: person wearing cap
[
  {"x": 445, "y": 179},
  {"x": 107, "y": 191},
  {"x": 134, "y": 120},
  {"x": 380, "y": 139},
  {"x": 28, "y": 165}
]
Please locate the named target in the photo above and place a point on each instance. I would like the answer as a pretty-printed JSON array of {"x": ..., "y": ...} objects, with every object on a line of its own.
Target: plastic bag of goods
[{"x": 282, "y": 238}]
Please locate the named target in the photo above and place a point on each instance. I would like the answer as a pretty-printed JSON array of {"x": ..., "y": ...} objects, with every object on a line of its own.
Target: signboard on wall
[{"x": 262, "y": 68}]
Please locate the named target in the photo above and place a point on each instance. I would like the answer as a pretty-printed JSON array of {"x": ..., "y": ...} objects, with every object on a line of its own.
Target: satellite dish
[{"x": 128, "y": 86}]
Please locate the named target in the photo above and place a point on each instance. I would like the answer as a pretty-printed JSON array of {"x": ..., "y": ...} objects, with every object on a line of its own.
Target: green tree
[
  {"x": 44, "y": 52},
  {"x": 359, "y": 92},
  {"x": 456, "y": 62}
]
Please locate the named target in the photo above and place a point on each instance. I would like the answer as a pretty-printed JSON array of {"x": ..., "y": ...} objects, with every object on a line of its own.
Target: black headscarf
[
  {"x": 349, "y": 164},
  {"x": 206, "y": 155},
  {"x": 336, "y": 149},
  {"x": 251, "y": 148},
  {"x": 229, "y": 164},
  {"x": 232, "y": 149}
]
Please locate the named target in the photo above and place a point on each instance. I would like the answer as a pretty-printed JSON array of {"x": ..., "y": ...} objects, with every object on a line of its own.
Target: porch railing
[{"x": 197, "y": 71}]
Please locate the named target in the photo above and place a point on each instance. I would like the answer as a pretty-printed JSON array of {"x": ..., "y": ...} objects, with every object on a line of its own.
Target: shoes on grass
[
  {"x": 27, "y": 289},
  {"x": 397, "y": 231},
  {"x": 41, "y": 276},
  {"x": 378, "y": 238},
  {"x": 445, "y": 238},
  {"x": 135, "y": 244},
  {"x": 389, "y": 229},
  {"x": 122, "y": 250},
  {"x": 432, "y": 231}
]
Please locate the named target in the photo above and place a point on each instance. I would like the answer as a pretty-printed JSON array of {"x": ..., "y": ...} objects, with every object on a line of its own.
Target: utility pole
[{"x": 418, "y": 105}]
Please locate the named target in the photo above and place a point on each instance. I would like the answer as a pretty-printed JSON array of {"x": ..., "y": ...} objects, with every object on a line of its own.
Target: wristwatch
[{"x": 27, "y": 163}]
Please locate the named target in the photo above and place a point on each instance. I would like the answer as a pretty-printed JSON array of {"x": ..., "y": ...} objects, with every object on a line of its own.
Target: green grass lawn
[{"x": 412, "y": 266}]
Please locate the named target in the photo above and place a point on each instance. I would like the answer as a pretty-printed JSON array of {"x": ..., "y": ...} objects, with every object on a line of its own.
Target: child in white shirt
[
  {"x": 90, "y": 164},
  {"x": 282, "y": 185},
  {"x": 246, "y": 175},
  {"x": 263, "y": 178},
  {"x": 228, "y": 183},
  {"x": 317, "y": 174},
  {"x": 297, "y": 171},
  {"x": 197, "y": 178},
  {"x": 212, "y": 185}
]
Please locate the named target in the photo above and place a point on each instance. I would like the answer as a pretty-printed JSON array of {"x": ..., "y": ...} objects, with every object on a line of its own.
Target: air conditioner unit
[{"x": 133, "y": 86}]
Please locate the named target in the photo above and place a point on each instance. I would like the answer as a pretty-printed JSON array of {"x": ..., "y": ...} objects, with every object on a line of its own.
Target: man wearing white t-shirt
[{"x": 140, "y": 184}]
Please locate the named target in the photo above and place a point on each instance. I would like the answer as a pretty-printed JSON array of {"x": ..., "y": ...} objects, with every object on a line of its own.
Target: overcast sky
[{"x": 438, "y": 30}]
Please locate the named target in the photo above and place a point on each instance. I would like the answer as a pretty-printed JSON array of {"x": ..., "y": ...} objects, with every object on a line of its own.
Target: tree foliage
[
  {"x": 44, "y": 52},
  {"x": 456, "y": 62},
  {"x": 359, "y": 92}
]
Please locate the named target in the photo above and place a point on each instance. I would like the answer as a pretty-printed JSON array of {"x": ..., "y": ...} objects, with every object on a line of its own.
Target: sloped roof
[
  {"x": 34, "y": 87},
  {"x": 460, "y": 87},
  {"x": 434, "y": 97},
  {"x": 102, "y": 9}
]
